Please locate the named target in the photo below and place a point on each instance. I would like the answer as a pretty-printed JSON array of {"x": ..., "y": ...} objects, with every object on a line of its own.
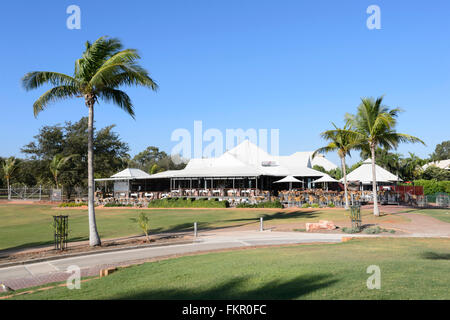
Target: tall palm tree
[
  {"x": 374, "y": 124},
  {"x": 8, "y": 168},
  {"x": 101, "y": 70},
  {"x": 57, "y": 164},
  {"x": 342, "y": 141}
]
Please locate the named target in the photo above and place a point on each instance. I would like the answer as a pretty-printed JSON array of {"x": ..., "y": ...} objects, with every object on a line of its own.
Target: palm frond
[
  {"x": 119, "y": 98},
  {"x": 52, "y": 95},
  {"x": 33, "y": 80}
]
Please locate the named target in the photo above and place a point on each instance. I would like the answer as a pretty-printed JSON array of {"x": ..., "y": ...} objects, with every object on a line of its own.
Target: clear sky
[{"x": 289, "y": 65}]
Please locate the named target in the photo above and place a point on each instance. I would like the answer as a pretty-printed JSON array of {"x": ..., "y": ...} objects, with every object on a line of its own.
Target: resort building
[{"x": 245, "y": 169}]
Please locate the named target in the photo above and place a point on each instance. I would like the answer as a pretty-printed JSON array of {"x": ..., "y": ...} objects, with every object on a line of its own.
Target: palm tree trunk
[
  {"x": 94, "y": 239},
  {"x": 376, "y": 211},
  {"x": 9, "y": 189},
  {"x": 344, "y": 171}
]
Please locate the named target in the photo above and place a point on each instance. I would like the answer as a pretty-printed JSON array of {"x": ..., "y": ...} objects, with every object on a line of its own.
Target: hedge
[
  {"x": 72, "y": 204},
  {"x": 431, "y": 187},
  {"x": 187, "y": 203},
  {"x": 268, "y": 204}
]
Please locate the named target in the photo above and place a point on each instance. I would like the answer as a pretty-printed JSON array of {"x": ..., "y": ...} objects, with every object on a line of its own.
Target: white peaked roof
[
  {"x": 131, "y": 173},
  {"x": 443, "y": 164},
  {"x": 326, "y": 178},
  {"x": 289, "y": 179},
  {"x": 246, "y": 160},
  {"x": 364, "y": 174},
  {"x": 320, "y": 160}
]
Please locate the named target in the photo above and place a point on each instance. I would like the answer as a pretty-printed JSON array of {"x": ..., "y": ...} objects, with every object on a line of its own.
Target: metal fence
[{"x": 40, "y": 193}]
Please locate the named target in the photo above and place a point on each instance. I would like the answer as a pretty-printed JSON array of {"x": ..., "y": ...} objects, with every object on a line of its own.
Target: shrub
[
  {"x": 305, "y": 205},
  {"x": 267, "y": 204},
  {"x": 315, "y": 205},
  {"x": 72, "y": 204},
  {"x": 373, "y": 230},
  {"x": 187, "y": 203},
  {"x": 331, "y": 205},
  {"x": 431, "y": 187},
  {"x": 351, "y": 230},
  {"x": 111, "y": 205},
  {"x": 144, "y": 224}
]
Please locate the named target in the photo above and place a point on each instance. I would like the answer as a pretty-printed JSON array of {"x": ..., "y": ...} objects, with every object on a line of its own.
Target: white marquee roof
[
  {"x": 246, "y": 160},
  {"x": 289, "y": 179},
  {"x": 364, "y": 174}
]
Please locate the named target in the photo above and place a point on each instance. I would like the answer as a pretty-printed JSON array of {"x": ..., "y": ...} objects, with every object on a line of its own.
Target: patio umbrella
[
  {"x": 290, "y": 180},
  {"x": 325, "y": 179}
]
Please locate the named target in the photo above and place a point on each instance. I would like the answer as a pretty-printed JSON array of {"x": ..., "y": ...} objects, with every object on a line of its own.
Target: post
[
  {"x": 261, "y": 224},
  {"x": 195, "y": 230},
  {"x": 40, "y": 192}
]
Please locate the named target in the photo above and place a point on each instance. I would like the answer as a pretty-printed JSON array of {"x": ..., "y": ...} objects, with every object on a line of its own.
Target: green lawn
[
  {"x": 441, "y": 214},
  {"x": 30, "y": 225},
  {"x": 410, "y": 269}
]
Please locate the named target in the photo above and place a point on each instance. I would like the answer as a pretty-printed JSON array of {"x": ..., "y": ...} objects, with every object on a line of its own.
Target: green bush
[
  {"x": 350, "y": 230},
  {"x": 431, "y": 187},
  {"x": 72, "y": 204},
  {"x": 306, "y": 205},
  {"x": 187, "y": 203},
  {"x": 331, "y": 205},
  {"x": 376, "y": 230},
  {"x": 267, "y": 204},
  {"x": 315, "y": 205},
  {"x": 111, "y": 205}
]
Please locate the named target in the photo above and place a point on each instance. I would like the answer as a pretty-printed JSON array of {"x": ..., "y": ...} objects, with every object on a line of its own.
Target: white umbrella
[
  {"x": 325, "y": 179},
  {"x": 290, "y": 180}
]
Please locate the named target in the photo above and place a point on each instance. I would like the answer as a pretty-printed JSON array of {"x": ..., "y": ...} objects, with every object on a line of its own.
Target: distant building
[{"x": 443, "y": 164}]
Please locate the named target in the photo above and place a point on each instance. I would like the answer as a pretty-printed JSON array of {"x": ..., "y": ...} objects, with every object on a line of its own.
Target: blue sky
[{"x": 289, "y": 65}]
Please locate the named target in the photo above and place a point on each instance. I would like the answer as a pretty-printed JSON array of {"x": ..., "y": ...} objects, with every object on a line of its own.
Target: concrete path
[{"x": 27, "y": 275}]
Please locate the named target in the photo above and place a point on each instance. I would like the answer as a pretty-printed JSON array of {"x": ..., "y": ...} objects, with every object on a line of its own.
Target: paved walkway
[{"x": 24, "y": 276}]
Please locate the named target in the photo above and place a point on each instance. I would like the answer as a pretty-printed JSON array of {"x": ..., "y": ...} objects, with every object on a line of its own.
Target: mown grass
[
  {"x": 440, "y": 214},
  {"x": 30, "y": 225},
  {"x": 410, "y": 269}
]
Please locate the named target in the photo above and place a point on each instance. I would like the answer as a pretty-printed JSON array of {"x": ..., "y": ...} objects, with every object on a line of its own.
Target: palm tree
[
  {"x": 374, "y": 124},
  {"x": 343, "y": 142},
  {"x": 8, "y": 168},
  {"x": 102, "y": 69},
  {"x": 57, "y": 164}
]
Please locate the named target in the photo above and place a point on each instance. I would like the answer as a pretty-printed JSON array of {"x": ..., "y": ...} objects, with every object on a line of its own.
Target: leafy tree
[
  {"x": 111, "y": 154},
  {"x": 151, "y": 156},
  {"x": 102, "y": 69},
  {"x": 435, "y": 173},
  {"x": 342, "y": 142},
  {"x": 374, "y": 125},
  {"x": 441, "y": 152}
]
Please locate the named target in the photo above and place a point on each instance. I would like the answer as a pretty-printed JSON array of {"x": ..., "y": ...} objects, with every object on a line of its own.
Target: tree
[
  {"x": 342, "y": 141},
  {"x": 56, "y": 166},
  {"x": 103, "y": 68},
  {"x": 8, "y": 168},
  {"x": 71, "y": 139},
  {"x": 374, "y": 125},
  {"x": 151, "y": 156},
  {"x": 441, "y": 152}
]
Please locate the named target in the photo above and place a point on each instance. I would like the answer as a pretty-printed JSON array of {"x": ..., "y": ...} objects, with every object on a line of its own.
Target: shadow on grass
[
  {"x": 234, "y": 289},
  {"x": 281, "y": 215},
  {"x": 435, "y": 256}
]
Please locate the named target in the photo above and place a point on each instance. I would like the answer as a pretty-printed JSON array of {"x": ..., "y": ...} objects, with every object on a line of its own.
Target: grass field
[
  {"x": 30, "y": 225},
  {"x": 410, "y": 269},
  {"x": 441, "y": 214}
]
